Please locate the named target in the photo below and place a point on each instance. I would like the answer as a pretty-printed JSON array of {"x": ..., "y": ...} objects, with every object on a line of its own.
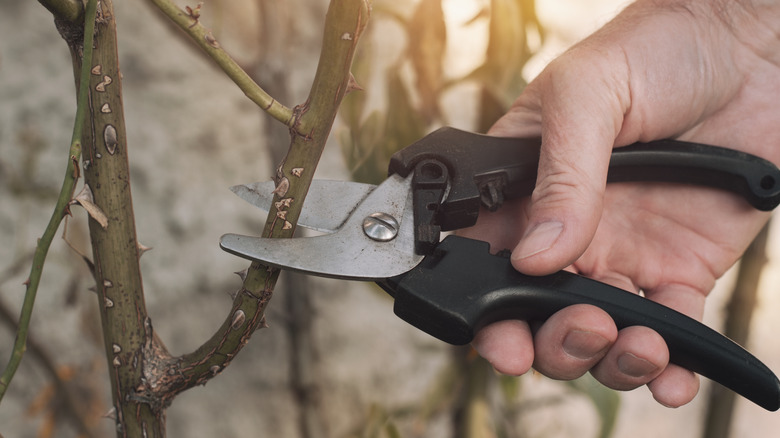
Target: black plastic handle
[
  {"x": 485, "y": 169},
  {"x": 461, "y": 287}
]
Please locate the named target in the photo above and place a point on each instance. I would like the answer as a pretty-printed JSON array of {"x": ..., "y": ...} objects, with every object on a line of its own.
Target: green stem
[
  {"x": 60, "y": 210},
  {"x": 188, "y": 22}
]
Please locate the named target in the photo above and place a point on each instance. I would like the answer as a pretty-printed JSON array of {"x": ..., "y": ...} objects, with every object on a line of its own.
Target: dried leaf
[
  {"x": 364, "y": 150},
  {"x": 428, "y": 41},
  {"x": 404, "y": 124},
  {"x": 511, "y": 21},
  {"x": 86, "y": 200},
  {"x": 491, "y": 108}
]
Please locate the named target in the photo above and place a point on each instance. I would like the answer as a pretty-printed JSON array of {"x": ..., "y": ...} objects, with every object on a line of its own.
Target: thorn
[
  {"x": 352, "y": 85},
  {"x": 242, "y": 273},
  {"x": 143, "y": 248},
  {"x": 298, "y": 171},
  {"x": 111, "y": 414}
]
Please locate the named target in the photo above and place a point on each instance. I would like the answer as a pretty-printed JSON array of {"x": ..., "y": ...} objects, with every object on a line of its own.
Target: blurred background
[{"x": 335, "y": 361}]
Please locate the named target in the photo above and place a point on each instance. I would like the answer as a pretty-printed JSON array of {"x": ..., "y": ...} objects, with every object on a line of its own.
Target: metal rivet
[{"x": 380, "y": 227}]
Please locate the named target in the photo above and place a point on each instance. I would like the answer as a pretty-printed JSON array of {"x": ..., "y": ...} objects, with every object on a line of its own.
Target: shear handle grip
[
  {"x": 462, "y": 287},
  {"x": 487, "y": 170}
]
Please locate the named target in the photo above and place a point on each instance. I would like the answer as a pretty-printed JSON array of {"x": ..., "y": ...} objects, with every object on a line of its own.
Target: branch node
[
  {"x": 194, "y": 13},
  {"x": 213, "y": 42}
]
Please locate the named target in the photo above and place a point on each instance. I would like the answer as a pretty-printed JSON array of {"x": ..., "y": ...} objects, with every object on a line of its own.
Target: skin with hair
[{"x": 703, "y": 71}]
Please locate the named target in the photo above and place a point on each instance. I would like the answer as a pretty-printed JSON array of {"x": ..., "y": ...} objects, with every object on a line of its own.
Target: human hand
[{"x": 699, "y": 71}]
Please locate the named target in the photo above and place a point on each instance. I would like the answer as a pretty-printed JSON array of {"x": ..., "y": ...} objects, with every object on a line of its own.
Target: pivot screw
[{"x": 380, "y": 227}]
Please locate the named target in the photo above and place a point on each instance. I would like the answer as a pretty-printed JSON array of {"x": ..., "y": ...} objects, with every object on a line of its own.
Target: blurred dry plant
[
  {"x": 415, "y": 83},
  {"x": 413, "y": 87}
]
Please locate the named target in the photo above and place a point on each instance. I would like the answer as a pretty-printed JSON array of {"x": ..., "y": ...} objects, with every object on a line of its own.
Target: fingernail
[
  {"x": 538, "y": 239},
  {"x": 583, "y": 344},
  {"x": 635, "y": 366}
]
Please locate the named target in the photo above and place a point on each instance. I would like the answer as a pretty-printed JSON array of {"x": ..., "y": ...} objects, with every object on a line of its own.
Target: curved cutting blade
[
  {"x": 347, "y": 253},
  {"x": 328, "y": 203}
]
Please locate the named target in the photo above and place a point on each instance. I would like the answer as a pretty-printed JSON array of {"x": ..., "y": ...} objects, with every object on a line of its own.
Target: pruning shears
[{"x": 452, "y": 287}]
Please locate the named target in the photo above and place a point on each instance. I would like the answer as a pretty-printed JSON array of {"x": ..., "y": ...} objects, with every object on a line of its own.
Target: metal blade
[
  {"x": 347, "y": 253},
  {"x": 328, "y": 203}
]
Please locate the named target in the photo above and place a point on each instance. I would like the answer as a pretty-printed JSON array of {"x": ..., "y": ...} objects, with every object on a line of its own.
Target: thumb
[
  {"x": 563, "y": 215},
  {"x": 579, "y": 124}
]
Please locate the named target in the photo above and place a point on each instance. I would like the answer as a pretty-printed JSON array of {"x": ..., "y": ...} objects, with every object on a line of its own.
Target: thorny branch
[{"x": 344, "y": 23}]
